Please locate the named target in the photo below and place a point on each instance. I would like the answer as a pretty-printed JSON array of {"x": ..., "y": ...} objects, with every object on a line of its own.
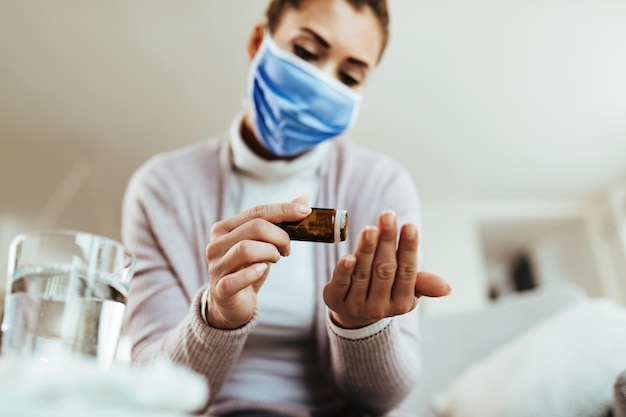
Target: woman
[{"x": 280, "y": 327}]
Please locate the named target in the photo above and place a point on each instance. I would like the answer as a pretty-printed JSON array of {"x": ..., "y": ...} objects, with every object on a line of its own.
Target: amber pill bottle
[{"x": 322, "y": 225}]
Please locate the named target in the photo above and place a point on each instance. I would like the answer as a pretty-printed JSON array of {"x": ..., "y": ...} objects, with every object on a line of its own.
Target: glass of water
[{"x": 66, "y": 295}]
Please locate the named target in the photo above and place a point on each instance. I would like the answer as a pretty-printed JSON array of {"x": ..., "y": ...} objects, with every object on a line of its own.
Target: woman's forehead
[{"x": 340, "y": 24}]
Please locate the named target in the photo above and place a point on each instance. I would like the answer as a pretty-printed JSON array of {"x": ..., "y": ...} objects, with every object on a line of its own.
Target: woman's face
[{"x": 333, "y": 36}]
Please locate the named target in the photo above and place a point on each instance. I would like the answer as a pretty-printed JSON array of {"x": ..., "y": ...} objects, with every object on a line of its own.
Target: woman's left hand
[{"x": 381, "y": 279}]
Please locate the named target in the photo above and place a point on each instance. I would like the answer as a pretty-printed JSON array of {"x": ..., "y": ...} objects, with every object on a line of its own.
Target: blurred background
[{"x": 510, "y": 115}]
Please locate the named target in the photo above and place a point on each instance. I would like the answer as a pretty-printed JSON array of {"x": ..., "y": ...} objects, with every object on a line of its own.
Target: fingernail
[
  {"x": 411, "y": 231},
  {"x": 371, "y": 234},
  {"x": 302, "y": 209},
  {"x": 349, "y": 262},
  {"x": 260, "y": 268},
  {"x": 389, "y": 217}
]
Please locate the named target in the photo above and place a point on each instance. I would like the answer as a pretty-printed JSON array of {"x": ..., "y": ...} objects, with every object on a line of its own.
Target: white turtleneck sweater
[
  {"x": 279, "y": 361},
  {"x": 281, "y": 350}
]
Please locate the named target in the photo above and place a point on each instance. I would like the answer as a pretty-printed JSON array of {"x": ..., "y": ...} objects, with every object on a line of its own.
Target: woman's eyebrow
[
  {"x": 358, "y": 63},
  {"x": 326, "y": 45},
  {"x": 317, "y": 37}
]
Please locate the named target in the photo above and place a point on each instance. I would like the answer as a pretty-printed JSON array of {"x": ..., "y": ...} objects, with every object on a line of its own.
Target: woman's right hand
[{"x": 238, "y": 256}]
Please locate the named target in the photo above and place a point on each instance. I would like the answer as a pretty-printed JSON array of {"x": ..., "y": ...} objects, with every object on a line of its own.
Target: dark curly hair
[{"x": 276, "y": 8}]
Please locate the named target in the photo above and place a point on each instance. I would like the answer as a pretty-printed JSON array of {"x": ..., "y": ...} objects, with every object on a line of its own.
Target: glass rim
[{"x": 71, "y": 232}]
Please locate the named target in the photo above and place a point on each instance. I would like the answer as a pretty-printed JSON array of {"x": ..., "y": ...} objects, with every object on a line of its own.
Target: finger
[
  {"x": 431, "y": 285},
  {"x": 337, "y": 288},
  {"x": 385, "y": 263},
  {"x": 364, "y": 254},
  {"x": 273, "y": 213},
  {"x": 242, "y": 254},
  {"x": 227, "y": 287},
  {"x": 254, "y": 230},
  {"x": 404, "y": 284},
  {"x": 263, "y": 231}
]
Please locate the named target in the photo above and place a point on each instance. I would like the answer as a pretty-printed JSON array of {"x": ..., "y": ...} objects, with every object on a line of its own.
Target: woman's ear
[{"x": 255, "y": 40}]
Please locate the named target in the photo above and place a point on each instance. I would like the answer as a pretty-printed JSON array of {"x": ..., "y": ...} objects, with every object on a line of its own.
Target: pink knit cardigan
[{"x": 170, "y": 205}]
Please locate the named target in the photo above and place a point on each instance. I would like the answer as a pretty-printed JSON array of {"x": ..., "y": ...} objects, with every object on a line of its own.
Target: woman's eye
[
  {"x": 304, "y": 53},
  {"x": 348, "y": 80}
]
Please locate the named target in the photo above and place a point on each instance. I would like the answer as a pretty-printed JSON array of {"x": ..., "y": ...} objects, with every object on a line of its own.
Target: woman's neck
[{"x": 250, "y": 139}]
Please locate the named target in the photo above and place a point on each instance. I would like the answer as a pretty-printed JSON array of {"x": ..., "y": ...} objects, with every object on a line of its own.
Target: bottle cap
[{"x": 341, "y": 225}]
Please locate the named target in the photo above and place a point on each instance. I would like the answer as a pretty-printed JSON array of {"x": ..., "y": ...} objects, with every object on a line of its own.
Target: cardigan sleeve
[
  {"x": 376, "y": 373},
  {"x": 163, "y": 312}
]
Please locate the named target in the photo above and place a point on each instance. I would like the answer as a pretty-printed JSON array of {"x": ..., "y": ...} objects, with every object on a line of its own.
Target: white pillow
[{"x": 564, "y": 366}]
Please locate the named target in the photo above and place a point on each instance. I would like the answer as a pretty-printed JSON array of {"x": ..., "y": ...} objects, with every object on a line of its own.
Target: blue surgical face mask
[{"x": 295, "y": 105}]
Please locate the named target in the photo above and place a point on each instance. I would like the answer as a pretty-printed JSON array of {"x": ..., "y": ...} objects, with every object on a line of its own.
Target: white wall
[
  {"x": 452, "y": 250},
  {"x": 567, "y": 256},
  {"x": 605, "y": 225},
  {"x": 470, "y": 243}
]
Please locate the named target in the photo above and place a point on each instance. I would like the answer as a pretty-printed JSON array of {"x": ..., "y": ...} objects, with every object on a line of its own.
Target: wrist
[
  {"x": 214, "y": 317},
  {"x": 361, "y": 333},
  {"x": 349, "y": 323}
]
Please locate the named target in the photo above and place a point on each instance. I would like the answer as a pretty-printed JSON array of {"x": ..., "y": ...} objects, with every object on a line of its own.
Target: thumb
[{"x": 430, "y": 285}]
